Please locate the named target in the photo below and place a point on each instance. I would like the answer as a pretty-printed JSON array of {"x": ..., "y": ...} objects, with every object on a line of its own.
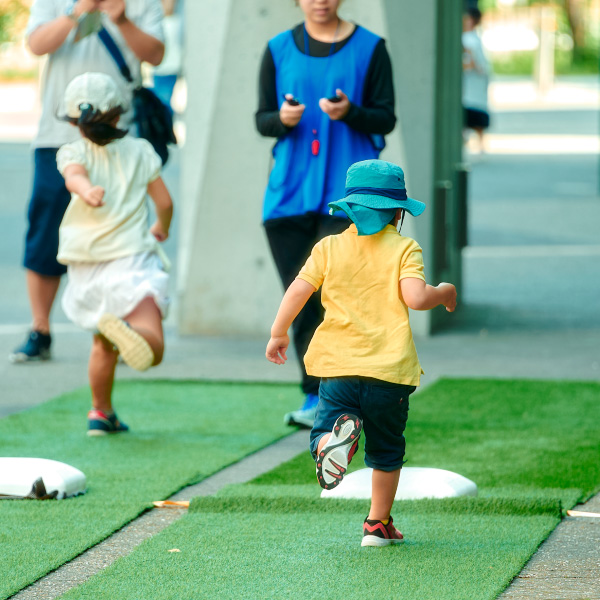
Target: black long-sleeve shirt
[{"x": 376, "y": 115}]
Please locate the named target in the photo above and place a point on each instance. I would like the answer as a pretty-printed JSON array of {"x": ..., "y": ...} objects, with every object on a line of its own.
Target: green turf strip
[
  {"x": 181, "y": 432},
  {"x": 512, "y": 437},
  {"x": 311, "y": 555},
  {"x": 531, "y": 447}
]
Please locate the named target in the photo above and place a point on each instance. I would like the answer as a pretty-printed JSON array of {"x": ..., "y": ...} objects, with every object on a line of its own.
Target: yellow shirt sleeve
[
  {"x": 412, "y": 263},
  {"x": 314, "y": 270}
]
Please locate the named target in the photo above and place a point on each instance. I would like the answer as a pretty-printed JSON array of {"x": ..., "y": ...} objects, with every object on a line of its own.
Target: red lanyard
[{"x": 315, "y": 144}]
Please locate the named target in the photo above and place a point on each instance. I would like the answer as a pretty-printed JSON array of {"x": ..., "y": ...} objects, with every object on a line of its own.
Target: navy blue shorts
[
  {"x": 476, "y": 119},
  {"x": 383, "y": 408},
  {"x": 49, "y": 201}
]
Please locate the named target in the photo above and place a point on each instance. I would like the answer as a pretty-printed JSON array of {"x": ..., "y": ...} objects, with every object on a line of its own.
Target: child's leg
[
  {"x": 146, "y": 320},
  {"x": 324, "y": 439},
  {"x": 335, "y": 433},
  {"x": 385, "y": 412},
  {"x": 384, "y": 485},
  {"x": 101, "y": 371},
  {"x": 480, "y": 132}
]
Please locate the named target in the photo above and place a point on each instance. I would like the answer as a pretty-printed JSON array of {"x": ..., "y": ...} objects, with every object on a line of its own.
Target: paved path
[{"x": 529, "y": 299}]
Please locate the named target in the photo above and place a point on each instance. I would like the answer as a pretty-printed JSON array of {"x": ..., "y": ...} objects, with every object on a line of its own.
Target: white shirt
[
  {"x": 475, "y": 80},
  {"x": 119, "y": 228},
  {"x": 173, "y": 58},
  {"x": 89, "y": 54}
]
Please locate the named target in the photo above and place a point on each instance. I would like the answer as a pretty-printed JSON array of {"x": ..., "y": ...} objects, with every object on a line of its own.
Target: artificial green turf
[
  {"x": 531, "y": 447},
  {"x": 311, "y": 555},
  {"x": 181, "y": 432},
  {"x": 513, "y": 436}
]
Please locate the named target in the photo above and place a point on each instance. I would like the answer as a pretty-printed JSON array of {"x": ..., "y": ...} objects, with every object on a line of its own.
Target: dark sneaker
[
  {"x": 336, "y": 454},
  {"x": 375, "y": 533},
  {"x": 35, "y": 347},
  {"x": 305, "y": 416},
  {"x": 99, "y": 423}
]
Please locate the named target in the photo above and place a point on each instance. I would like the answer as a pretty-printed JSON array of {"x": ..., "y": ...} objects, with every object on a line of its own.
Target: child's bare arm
[
  {"x": 164, "y": 209},
  {"x": 418, "y": 295},
  {"x": 78, "y": 182},
  {"x": 295, "y": 298}
]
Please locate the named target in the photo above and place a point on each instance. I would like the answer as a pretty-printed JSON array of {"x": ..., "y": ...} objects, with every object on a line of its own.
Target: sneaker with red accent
[
  {"x": 100, "y": 423},
  {"x": 375, "y": 533},
  {"x": 336, "y": 454}
]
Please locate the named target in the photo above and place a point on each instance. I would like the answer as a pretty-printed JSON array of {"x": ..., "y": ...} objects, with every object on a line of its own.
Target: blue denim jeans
[
  {"x": 383, "y": 408},
  {"x": 49, "y": 201}
]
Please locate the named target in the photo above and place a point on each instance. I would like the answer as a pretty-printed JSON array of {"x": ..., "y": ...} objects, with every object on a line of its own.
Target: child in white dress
[{"x": 117, "y": 284}]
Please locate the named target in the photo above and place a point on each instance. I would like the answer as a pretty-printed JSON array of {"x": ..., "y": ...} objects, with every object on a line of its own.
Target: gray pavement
[{"x": 530, "y": 303}]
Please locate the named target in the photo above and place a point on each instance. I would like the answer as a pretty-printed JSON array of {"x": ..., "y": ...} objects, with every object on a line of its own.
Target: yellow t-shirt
[
  {"x": 365, "y": 331},
  {"x": 124, "y": 168}
]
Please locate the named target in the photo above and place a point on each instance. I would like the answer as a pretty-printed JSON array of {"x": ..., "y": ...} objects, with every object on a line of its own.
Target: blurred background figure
[
  {"x": 326, "y": 93},
  {"x": 165, "y": 75},
  {"x": 476, "y": 73},
  {"x": 66, "y": 31}
]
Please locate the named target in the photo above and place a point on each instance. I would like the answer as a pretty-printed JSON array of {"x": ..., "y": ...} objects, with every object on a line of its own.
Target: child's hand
[
  {"x": 158, "y": 231},
  {"x": 276, "y": 349},
  {"x": 94, "y": 196},
  {"x": 450, "y": 295}
]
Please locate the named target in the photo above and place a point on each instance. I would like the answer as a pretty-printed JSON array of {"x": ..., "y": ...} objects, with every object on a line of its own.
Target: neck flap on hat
[{"x": 367, "y": 220}]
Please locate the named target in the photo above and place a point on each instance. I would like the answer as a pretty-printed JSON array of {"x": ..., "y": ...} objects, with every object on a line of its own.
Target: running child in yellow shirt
[{"x": 364, "y": 352}]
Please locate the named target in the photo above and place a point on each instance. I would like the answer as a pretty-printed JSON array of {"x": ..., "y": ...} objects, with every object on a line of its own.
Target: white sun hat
[{"x": 96, "y": 90}]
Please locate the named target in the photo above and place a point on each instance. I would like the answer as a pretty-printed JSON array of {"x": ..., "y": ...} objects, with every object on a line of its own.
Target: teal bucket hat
[{"x": 375, "y": 190}]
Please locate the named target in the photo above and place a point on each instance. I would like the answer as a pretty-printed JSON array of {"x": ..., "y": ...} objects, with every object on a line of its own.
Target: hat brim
[{"x": 410, "y": 205}]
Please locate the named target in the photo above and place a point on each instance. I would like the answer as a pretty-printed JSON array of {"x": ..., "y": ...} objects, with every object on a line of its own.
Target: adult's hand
[
  {"x": 115, "y": 10},
  {"x": 335, "y": 110},
  {"x": 290, "y": 115},
  {"x": 85, "y": 6},
  {"x": 50, "y": 36},
  {"x": 146, "y": 47}
]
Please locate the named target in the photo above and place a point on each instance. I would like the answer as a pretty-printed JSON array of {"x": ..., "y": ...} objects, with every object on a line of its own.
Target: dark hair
[
  {"x": 475, "y": 14},
  {"x": 97, "y": 126}
]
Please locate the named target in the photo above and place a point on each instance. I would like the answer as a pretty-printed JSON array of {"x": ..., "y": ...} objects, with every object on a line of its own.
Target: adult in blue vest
[{"x": 326, "y": 93}]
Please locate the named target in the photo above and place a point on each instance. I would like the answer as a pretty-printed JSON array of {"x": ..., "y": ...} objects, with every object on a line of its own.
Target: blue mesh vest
[{"x": 300, "y": 182}]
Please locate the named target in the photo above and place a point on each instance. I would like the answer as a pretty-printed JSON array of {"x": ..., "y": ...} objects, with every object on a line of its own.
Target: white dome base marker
[
  {"x": 39, "y": 479},
  {"x": 416, "y": 483}
]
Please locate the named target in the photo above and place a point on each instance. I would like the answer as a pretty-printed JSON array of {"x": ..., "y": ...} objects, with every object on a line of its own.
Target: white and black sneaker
[{"x": 336, "y": 454}]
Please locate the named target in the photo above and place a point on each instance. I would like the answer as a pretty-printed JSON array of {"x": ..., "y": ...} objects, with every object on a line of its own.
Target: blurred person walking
[
  {"x": 476, "y": 75},
  {"x": 66, "y": 31},
  {"x": 326, "y": 93}
]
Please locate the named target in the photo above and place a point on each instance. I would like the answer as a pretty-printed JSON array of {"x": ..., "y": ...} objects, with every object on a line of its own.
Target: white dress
[
  {"x": 113, "y": 261},
  {"x": 116, "y": 286}
]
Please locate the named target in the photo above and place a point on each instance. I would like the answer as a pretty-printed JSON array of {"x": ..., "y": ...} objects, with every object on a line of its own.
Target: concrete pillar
[{"x": 227, "y": 284}]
